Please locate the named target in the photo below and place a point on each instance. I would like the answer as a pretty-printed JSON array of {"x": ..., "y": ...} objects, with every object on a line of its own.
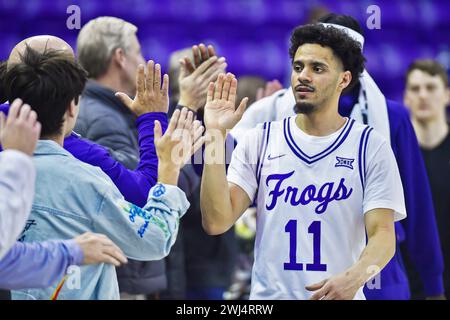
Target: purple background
[{"x": 252, "y": 34}]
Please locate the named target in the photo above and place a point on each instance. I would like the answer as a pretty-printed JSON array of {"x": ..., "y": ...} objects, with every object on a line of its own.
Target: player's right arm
[{"x": 222, "y": 203}]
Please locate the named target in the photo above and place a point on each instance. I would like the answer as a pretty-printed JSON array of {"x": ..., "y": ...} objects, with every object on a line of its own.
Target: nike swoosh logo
[{"x": 272, "y": 158}]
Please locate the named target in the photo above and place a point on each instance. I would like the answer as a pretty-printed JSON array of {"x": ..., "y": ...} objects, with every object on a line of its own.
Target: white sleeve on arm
[
  {"x": 243, "y": 167},
  {"x": 17, "y": 179},
  {"x": 383, "y": 187},
  {"x": 145, "y": 233}
]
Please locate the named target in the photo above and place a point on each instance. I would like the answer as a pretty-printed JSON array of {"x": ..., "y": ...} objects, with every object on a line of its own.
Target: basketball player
[
  {"x": 321, "y": 181},
  {"x": 417, "y": 235}
]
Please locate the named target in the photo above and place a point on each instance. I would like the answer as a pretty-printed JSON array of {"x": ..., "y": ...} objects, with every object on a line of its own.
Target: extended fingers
[
  {"x": 233, "y": 90},
  {"x": 150, "y": 75},
  {"x": 14, "y": 109},
  {"x": 319, "y": 295},
  {"x": 165, "y": 85},
  {"x": 182, "y": 119},
  {"x": 140, "y": 82},
  {"x": 219, "y": 86},
  {"x": 214, "y": 70},
  {"x": 157, "y": 79},
  {"x": 126, "y": 100},
  {"x": 24, "y": 112},
  {"x": 173, "y": 122},
  {"x": 114, "y": 251},
  {"x": 210, "y": 93},
  {"x": 211, "y": 51},
  {"x": 316, "y": 286},
  {"x": 197, "y": 55},
  {"x": 204, "y": 54},
  {"x": 205, "y": 65},
  {"x": 157, "y": 131},
  {"x": 242, "y": 107},
  {"x": 189, "y": 119},
  {"x": 32, "y": 117},
  {"x": 226, "y": 86}
]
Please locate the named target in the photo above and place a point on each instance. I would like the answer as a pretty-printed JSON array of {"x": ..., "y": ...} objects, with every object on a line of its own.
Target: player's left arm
[
  {"x": 383, "y": 203},
  {"x": 379, "y": 250}
]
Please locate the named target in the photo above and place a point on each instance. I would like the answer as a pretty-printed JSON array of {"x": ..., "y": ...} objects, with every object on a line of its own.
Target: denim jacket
[{"x": 73, "y": 197}]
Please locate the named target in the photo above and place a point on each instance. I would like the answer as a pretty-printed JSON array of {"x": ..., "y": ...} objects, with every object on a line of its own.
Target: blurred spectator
[
  {"x": 208, "y": 260},
  {"x": 427, "y": 95},
  {"x": 109, "y": 50},
  {"x": 316, "y": 12},
  {"x": 188, "y": 182},
  {"x": 252, "y": 87},
  {"x": 174, "y": 74}
]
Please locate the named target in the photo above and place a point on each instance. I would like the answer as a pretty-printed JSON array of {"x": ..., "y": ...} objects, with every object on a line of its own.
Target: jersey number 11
[{"x": 314, "y": 228}]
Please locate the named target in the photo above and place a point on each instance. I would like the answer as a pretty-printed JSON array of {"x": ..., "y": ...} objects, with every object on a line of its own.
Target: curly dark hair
[
  {"x": 48, "y": 81},
  {"x": 344, "y": 47}
]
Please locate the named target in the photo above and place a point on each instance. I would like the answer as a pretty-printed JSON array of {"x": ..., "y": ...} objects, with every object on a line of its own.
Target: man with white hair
[
  {"x": 109, "y": 51},
  {"x": 367, "y": 104}
]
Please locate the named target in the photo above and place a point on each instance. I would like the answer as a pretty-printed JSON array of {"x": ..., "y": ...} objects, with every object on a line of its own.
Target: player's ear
[{"x": 345, "y": 80}]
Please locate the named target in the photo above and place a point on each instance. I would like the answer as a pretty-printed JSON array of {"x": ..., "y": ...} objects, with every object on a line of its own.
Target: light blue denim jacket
[{"x": 73, "y": 197}]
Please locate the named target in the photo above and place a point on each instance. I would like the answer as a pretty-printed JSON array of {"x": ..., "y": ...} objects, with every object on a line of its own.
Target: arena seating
[{"x": 252, "y": 34}]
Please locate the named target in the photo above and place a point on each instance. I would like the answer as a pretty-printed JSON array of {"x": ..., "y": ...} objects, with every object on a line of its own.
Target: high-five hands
[
  {"x": 195, "y": 76},
  {"x": 150, "y": 96},
  {"x": 220, "y": 112},
  {"x": 181, "y": 140}
]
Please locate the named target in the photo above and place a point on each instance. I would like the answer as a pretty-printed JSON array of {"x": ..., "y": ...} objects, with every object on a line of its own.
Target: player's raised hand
[
  {"x": 181, "y": 140},
  {"x": 220, "y": 111},
  {"x": 195, "y": 76},
  {"x": 21, "y": 130},
  {"x": 340, "y": 287},
  {"x": 150, "y": 95}
]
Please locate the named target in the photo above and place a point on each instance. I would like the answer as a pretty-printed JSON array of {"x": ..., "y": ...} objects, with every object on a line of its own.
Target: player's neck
[
  {"x": 320, "y": 123},
  {"x": 430, "y": 133}
]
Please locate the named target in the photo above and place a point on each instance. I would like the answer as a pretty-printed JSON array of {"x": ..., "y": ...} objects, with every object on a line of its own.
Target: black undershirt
[{"x": 437, "y": 162}]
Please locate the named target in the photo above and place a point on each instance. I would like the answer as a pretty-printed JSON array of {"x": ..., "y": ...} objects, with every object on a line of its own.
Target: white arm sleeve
[
  {"x": 17, "y": 179},
  {"x": 383, "y": 185},
  {"x": 244, "y": 161}
]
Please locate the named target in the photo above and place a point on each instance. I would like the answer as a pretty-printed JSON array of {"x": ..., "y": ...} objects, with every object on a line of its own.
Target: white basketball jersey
[{"x": 311, "y": 195}]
